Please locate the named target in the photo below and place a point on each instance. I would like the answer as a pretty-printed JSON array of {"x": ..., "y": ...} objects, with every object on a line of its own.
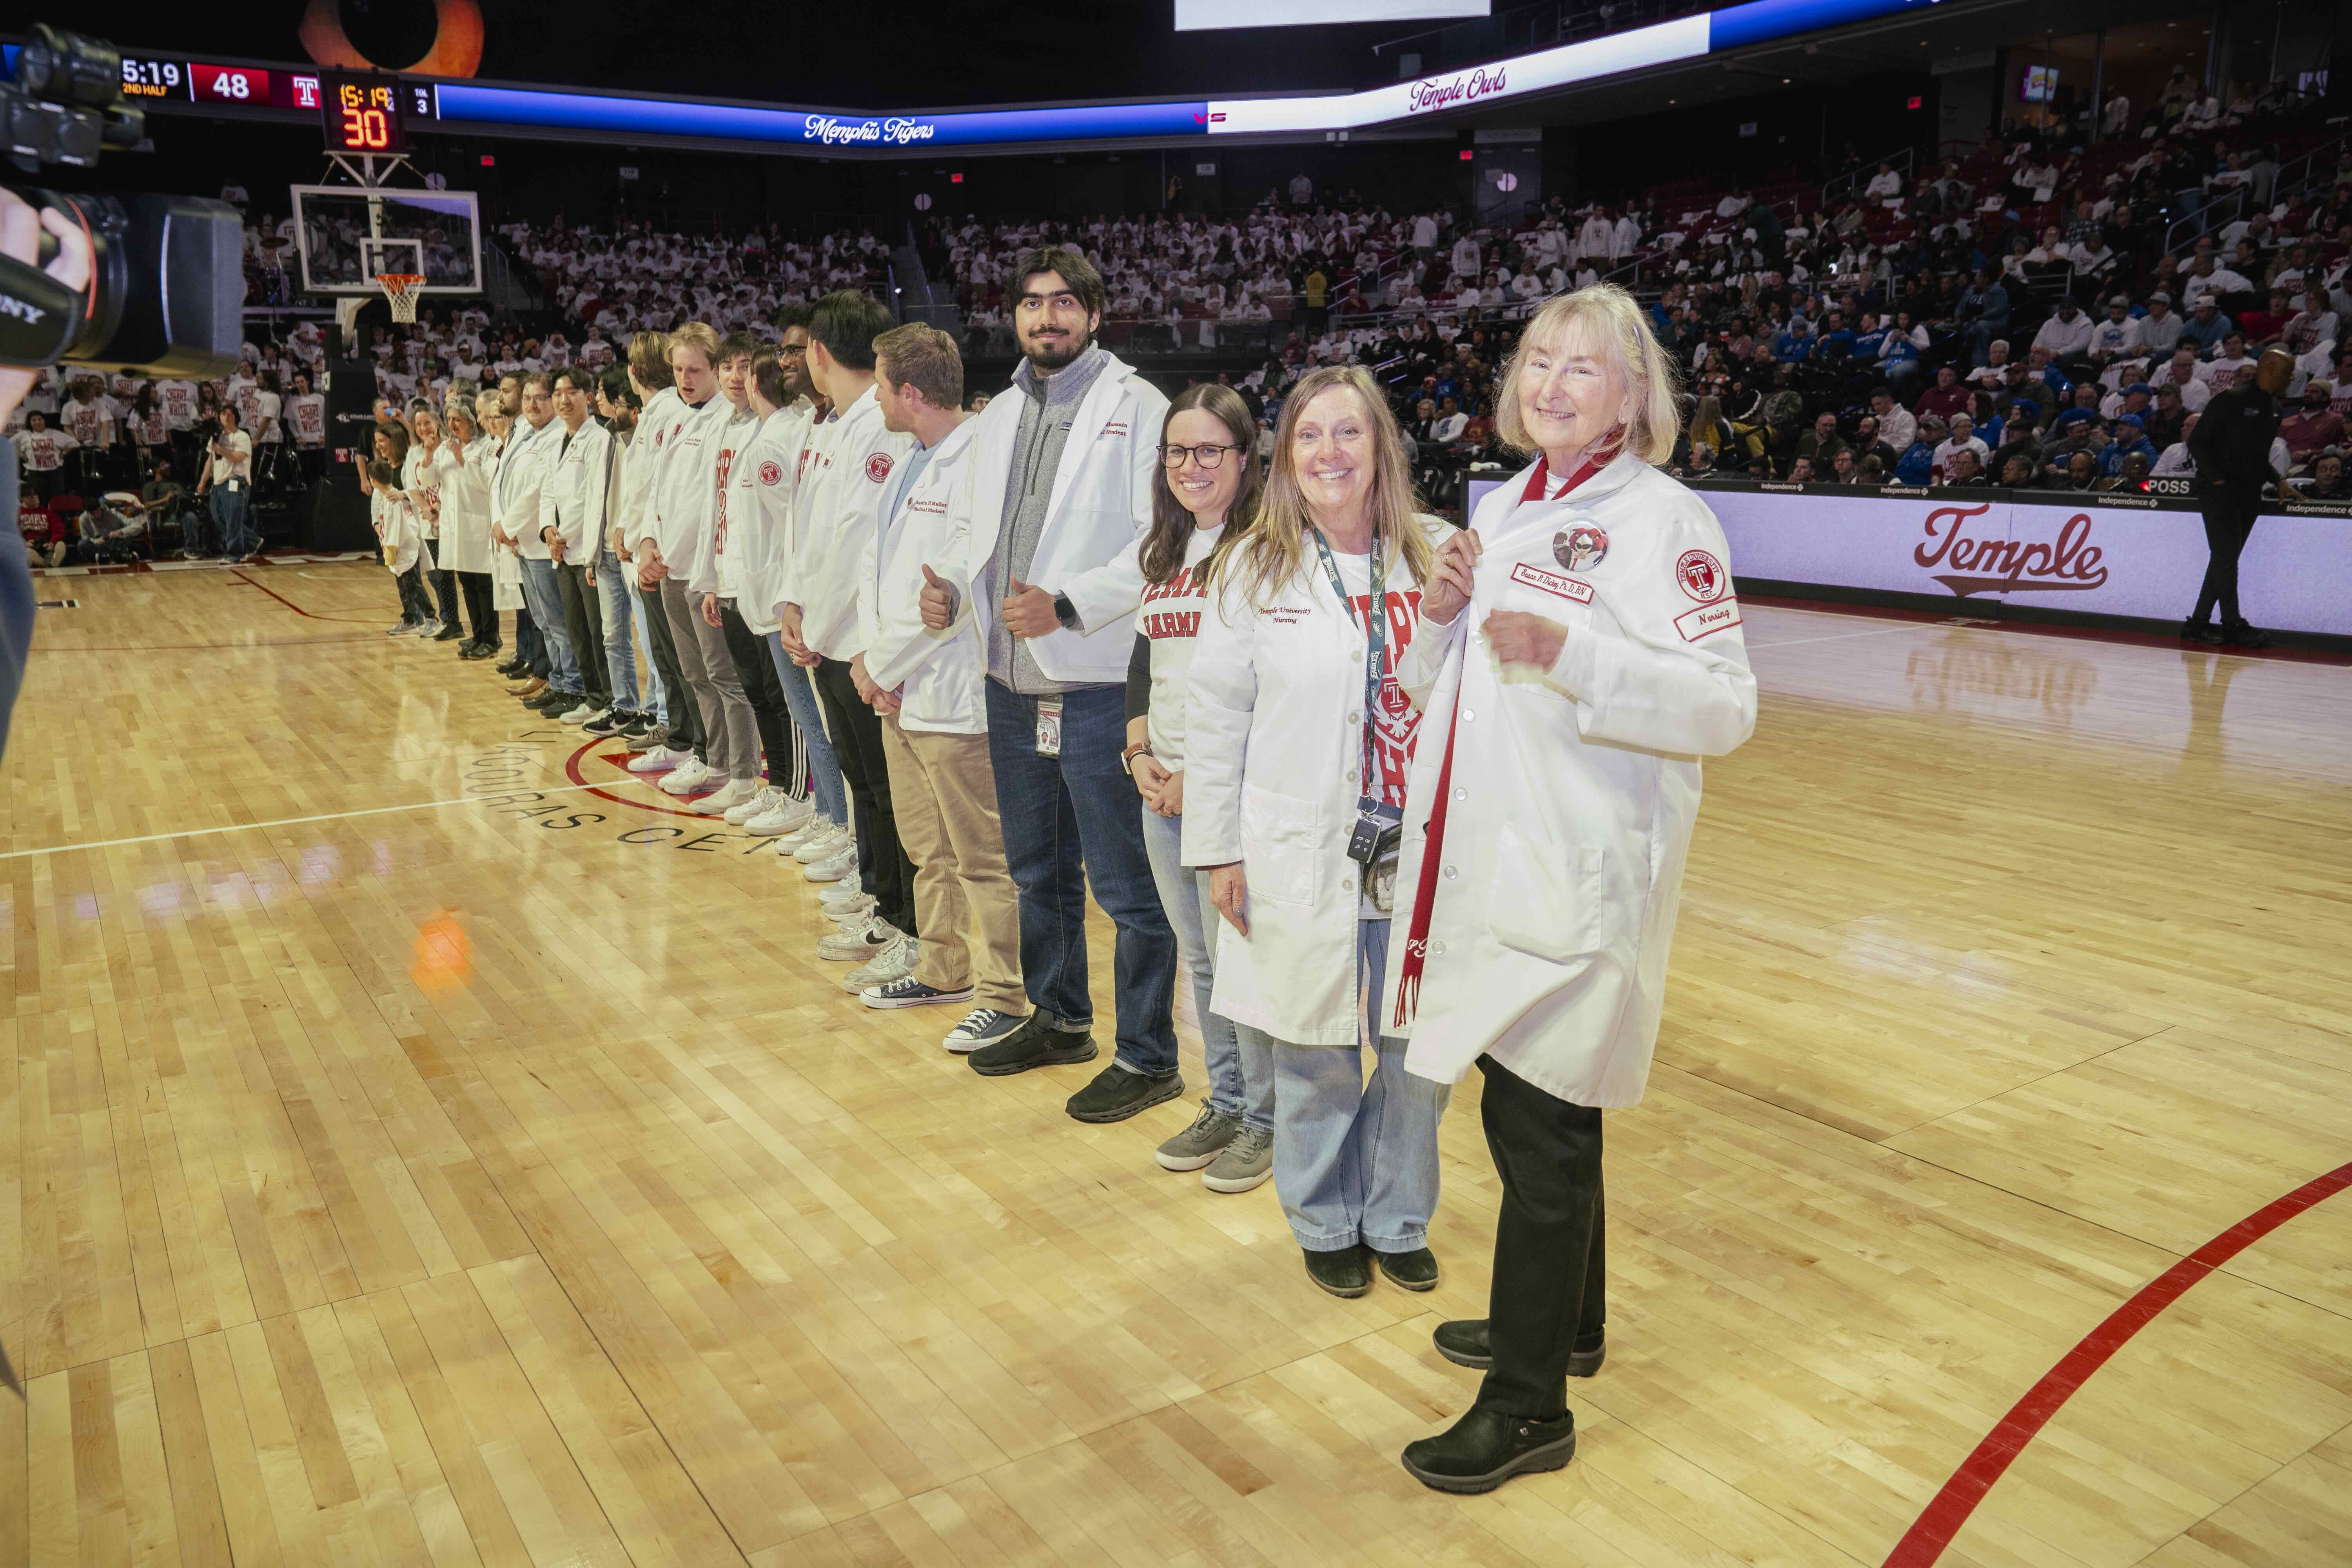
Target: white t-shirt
[
  {"x": 238, "y": 463},
  {"x": 44, "y": 451},
  {"x": 307, "y": 412},
  {"x": 1170, "y": 618}
]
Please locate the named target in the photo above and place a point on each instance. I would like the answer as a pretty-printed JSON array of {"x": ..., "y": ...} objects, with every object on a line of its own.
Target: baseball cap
[
  {"x": 2159, "y": 294},
  {"x": 2139, "y": 386},
  {"x": 2124, "y": 300},
  {"x": 2131, "y": 419}
]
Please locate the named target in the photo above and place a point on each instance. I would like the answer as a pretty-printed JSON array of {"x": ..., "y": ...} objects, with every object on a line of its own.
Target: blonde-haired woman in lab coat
[{"x": 1580, "y": 651}]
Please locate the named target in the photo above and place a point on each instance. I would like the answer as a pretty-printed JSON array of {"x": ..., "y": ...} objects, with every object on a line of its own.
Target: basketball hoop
[{"x": 400, "y": 290}]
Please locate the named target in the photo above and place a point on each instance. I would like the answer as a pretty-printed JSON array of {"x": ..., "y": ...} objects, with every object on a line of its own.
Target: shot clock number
[{"x": 362, "y": 113}]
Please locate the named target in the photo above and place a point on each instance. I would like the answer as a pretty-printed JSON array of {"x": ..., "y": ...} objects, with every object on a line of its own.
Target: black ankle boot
[
  {"x": 1464, "y": 1342},
  {"x": 1342, "y": 1272},
  {"x": 1489, "y": 1446}
]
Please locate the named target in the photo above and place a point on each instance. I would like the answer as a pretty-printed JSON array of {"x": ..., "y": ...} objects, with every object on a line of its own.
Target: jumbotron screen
[{"x": 1199, "y": 15}]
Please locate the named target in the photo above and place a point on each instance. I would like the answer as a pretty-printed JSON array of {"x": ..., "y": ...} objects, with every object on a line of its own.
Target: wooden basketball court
[{"x": 421, "y": 1148}]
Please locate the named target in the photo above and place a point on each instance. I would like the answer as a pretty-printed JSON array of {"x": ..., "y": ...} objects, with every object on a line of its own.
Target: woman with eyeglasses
[
  {"x": 1208, "y": 494},
  {"x": 1297, "y": 743}
]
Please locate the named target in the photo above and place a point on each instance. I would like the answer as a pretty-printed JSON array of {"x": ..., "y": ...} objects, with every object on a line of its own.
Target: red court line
[
  {"x": 1924, "y": 1541},
  {"x": 312, "y": 615}
]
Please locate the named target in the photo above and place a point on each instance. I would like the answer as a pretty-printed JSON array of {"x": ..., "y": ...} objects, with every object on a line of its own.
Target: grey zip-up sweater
[{"x": 1049, "y": 406}]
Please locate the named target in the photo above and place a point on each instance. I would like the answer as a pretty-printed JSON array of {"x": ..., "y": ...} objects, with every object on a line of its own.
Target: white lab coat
[
  {"x": 1574, "y": 791},
  {"x": 1101, "y": 504},
  {"x": 654, "y": 421},
  {"x": 941, "y": 676},
  {"x": 465, "y": 504},
  {"x": 715, "y": 537},
  {"x": 571, "y": 497},
  {"x": 760, "y": 516},
  {"x": 514, "y": 506},
  {"x": 838, "y": 508},
  {"x": 1275, "y": 746},
  {"x": 681, "y": 485}
]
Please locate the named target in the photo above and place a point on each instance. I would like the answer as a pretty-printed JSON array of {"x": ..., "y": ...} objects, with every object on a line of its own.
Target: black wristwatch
[{"x": 1065, "y": 612}]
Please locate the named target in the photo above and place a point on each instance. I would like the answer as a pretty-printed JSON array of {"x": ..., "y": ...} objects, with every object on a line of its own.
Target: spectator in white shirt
[
  {"x": 2066, "y": 335},
  {"x": 1885, "y": 184},
  {"x": 1963, "y": 436},
  {"x": 2117, "y": 337}
]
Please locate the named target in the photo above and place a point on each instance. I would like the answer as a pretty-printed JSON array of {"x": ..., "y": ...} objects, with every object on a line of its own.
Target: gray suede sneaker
[
  {"x": 1246, "y": 1163},
  {"x": 1200, "y": 1143}
]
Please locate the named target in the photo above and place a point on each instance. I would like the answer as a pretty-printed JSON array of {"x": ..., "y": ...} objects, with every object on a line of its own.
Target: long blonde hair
[{"x": 1270, "y": 550}]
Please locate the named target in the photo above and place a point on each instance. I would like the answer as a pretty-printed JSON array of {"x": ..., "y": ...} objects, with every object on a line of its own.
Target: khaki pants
[{"x": 943, "y": 792}]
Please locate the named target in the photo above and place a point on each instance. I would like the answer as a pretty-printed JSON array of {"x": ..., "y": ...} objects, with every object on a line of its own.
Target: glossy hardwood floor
[{"x": 412, "y": 1155}]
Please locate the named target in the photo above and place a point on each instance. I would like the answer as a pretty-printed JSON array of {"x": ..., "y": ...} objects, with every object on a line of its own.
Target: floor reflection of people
[{"x": 2205, "y": 752}]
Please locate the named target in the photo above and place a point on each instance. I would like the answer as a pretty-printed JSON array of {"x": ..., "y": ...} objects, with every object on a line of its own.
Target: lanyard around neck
[{"x": 1376, "y": 638}]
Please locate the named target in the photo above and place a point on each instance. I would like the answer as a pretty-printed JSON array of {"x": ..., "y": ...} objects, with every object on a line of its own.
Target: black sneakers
[
  {"x": 1117, "y": 1094},
  {"x": 612, "y": 724},
  {"x": 1464, "y": 1342},
  {"x": 448, "y": 634},
  {"x": 2239, "y": 634},
  {"x": 2195, "y": 630},
  {"x": 1036, "y": 1043},
  {"x": 1488, "y": 1448},
  {"x": 1342, "y": 1273}
]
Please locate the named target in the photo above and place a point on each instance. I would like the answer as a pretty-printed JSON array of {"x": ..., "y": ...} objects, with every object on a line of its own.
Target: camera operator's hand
[{"x": 20, "y": 239}]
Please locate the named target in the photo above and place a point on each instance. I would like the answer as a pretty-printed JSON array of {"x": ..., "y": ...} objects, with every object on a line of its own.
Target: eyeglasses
[{"x": 1208, "y": 454}]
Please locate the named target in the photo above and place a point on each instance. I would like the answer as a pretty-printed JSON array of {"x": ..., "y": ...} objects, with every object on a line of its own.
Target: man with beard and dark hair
[
  {"x": 1064, "y": 466},
  {"x": 2232, "y": 445}
]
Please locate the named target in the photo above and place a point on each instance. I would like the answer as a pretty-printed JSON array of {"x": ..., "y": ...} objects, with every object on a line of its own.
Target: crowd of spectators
[{"x": 2041, "y": 313}]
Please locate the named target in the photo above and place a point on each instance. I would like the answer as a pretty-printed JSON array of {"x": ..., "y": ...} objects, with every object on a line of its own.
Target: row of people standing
[{"x": 1075, "y": 644}]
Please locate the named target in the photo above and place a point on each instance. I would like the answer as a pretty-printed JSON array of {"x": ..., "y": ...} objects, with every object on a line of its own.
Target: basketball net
[{"x": 400, "y": 291}]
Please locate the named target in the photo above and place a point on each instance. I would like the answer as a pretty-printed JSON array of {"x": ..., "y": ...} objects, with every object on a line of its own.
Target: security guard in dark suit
[{"x": 2232, "y": 445}]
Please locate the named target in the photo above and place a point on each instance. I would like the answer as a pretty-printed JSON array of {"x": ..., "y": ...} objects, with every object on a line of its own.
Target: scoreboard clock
[{"x": 362, "y": 114}]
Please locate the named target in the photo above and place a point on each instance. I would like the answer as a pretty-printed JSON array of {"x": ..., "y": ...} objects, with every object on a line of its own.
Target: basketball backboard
[{"x": 343, "y": 231}]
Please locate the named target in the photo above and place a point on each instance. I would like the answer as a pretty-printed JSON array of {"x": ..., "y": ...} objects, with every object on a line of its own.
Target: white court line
[
  {"x": 285, "y": 821},
  {"x": 1841, "y": 637}
]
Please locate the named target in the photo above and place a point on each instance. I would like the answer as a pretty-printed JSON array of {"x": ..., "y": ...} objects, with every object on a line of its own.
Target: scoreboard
[{"x": 376, "y": 122}]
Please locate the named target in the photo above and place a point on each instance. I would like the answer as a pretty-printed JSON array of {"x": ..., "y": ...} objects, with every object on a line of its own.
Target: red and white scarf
[{"x": 1424, "y": 893}]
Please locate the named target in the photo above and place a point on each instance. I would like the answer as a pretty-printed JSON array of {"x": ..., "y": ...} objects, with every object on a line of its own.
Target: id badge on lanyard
[
  {"x": 1049, "y": 726},
  {"x": 1379, "y": 826}
]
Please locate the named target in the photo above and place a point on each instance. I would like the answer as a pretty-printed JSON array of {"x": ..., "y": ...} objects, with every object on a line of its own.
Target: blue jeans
[
  {"x": 613, "y": 593},
  {"x": 1071, "y": 822},
  {"x": 1241, "y": 1079},
  {"x": 546, "y": 602},
  {"x": 808, "y": 724},
  {"x": 1354, "y": 1163},
  {"x": 230, "y": 509}
]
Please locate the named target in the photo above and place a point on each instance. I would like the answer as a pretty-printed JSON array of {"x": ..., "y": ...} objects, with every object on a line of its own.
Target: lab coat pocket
[
  {"x": 1278, "y": 847},
  {"x": 1553, "y": 902}
]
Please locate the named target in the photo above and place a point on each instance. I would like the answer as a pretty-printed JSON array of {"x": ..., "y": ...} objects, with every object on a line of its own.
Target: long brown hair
[
  {"x": 1275, "y": 547},
  {"x": 1171, "y": 525}
]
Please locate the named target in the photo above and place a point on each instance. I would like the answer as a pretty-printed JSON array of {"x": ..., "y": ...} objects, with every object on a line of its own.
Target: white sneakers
[
  {"x": 894, "y": 962},
  {"x": 814, "y": 827},
  {"x": 658, "y": 759},
  {"x": 835, "y": 867},
  {"x": 734, "y": 793},
  {"x": 587, "y": 712},
  {"x": 858, "y": 940},
  {"x": 821, "y": 846},
  {"x": 784, "y": 815},
  {"x": 687, "y": 777},
  {"x": 744, "y": 811}
]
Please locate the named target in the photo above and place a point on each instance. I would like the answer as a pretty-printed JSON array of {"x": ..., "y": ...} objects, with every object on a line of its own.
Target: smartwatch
[
  {"x": 1127, "y": 758},
  {"x": 1065, "y": 612}
]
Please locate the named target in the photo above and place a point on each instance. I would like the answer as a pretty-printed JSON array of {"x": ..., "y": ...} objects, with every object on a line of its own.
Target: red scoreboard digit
[{"x": 362, "y": 113}]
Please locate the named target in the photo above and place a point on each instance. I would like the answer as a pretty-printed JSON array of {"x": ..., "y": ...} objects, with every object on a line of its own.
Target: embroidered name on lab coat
[{"x": 1552, "y": 583}]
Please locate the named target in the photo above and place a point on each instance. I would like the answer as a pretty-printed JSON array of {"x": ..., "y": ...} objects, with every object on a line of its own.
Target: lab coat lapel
[{"x": 1094, "y": 411}]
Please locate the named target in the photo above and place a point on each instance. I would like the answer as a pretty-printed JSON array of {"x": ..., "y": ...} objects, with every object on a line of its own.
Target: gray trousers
[{"x": 732, "y": 733}]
